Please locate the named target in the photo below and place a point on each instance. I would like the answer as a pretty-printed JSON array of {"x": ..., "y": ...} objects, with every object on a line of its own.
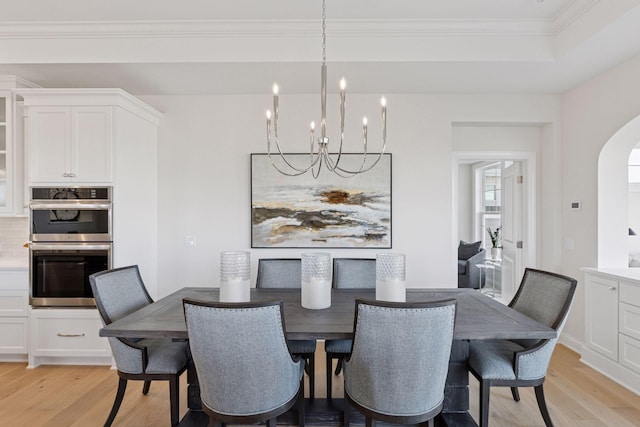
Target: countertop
[
  {"x": 14, "y": 263},
  {"x": 631, "y": 275}
]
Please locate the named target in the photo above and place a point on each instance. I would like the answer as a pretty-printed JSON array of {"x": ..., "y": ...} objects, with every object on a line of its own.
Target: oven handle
[
  {"x": 70, "y": 205},
  {"x": 69, "y": 246}
]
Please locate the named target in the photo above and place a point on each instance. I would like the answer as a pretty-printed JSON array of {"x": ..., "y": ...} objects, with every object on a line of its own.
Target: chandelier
[{"x": 319, "y": 153}]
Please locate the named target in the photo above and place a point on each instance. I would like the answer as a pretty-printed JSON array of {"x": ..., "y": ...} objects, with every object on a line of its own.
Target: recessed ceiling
[{"x": 401, "y": 46}]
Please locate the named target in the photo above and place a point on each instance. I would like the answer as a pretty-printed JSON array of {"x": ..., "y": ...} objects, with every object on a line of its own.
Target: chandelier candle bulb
[{"x": 364, "y": 130}]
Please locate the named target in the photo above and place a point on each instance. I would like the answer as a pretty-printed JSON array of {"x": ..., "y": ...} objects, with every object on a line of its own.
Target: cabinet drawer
[
  {"x": 630, "y": 320},
  {"x": 14, "y": 303},
  {"x": 630, "y": 353},
  {"x": 13, "y": 335},
  {"x": 630, "y": 294},
  {"x": 14, "y": 280},
  {"x": 67, "y": 333}
]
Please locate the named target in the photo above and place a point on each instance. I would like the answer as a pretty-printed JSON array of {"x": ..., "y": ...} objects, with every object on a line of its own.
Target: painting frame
[{"x": 328, "y": 212}]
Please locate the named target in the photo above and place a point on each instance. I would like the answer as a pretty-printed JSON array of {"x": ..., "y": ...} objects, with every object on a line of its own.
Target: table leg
[{"x": 455, "y": 411}]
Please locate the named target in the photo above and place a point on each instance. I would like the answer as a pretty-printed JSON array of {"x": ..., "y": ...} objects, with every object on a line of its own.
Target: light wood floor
[{"x": 59, "y": 396}]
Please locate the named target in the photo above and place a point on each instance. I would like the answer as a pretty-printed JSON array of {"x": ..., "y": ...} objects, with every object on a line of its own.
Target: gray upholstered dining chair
[
  {"x": 545, "y": 297},
  {"x": 245, "y": 370},
  {"x": 287, "y": 273},
  {"x": 119, "y": 292},
  {"x": 348, "y": 273},
  {"x": 399, "y": 362}
]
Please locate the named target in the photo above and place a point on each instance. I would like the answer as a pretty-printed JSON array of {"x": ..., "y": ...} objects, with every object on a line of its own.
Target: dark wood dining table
[{"x": 478, "y": 318}]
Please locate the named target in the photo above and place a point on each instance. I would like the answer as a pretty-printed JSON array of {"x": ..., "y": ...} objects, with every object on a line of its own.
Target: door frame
[{"x": 529, "y": 196}]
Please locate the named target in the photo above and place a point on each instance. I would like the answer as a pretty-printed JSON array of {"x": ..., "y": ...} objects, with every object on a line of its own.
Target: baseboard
[
  {"x": 612, "y": 370},
  {"x": 13, "y": 358},
  {"x": 571, "y": 342}
]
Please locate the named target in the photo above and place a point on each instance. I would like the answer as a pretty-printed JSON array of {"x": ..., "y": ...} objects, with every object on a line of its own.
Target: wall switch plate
[
  {"x": 190, "y": 241},
  {"x": 569, "y": 244}
]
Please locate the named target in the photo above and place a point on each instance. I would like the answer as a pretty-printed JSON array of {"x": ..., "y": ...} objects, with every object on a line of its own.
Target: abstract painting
[{"x": 327, "y": 212}]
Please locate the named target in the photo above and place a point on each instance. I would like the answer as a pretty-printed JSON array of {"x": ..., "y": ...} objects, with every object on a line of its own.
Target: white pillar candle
[
  {"x": 316, "y": 293},
  {"x": 391, "y": 289},
  {"x": 235, "y": 289}
]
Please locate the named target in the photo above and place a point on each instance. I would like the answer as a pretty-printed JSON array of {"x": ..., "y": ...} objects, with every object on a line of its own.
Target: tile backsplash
[{"x": 14, "y": 233}]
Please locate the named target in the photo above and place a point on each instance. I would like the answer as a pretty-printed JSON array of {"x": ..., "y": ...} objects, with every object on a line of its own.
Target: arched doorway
[{"x": 613, "y": 196}]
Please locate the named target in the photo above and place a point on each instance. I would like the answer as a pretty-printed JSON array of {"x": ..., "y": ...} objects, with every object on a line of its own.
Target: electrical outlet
[{"x": 190, "y": 241}]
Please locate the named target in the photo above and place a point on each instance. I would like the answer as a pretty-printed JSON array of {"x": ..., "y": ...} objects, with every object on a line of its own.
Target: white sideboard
[{"x": 612, "y": 324}]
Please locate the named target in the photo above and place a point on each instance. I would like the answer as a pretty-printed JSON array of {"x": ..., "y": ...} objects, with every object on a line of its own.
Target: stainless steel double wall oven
[{"x": 71, "y": 238}]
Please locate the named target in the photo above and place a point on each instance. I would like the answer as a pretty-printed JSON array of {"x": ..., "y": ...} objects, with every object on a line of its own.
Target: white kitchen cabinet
[
  {"x": 67, "y": 336},
  {"x": 14, "y": 312},
  {"x": 612, "y": 324},
  {"x": 70, "y": 144},
  {"x": 85, "y": 137},
  {"x": 601, "y": 304}
]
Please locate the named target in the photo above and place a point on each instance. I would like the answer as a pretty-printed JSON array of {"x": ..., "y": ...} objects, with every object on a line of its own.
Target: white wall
[
  {"x": 592, "y": 114},
  {"x": 204, "y": 175},
  {"x": 634, "y": 221},
  {"x": 465, "y": 203}
]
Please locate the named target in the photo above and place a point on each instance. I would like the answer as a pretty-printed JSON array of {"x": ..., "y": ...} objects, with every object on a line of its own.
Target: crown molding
[
  {"x": 271, "y": 28},
  {"x": 571, "y": 13},
  {"x": 95, "y": 96}
]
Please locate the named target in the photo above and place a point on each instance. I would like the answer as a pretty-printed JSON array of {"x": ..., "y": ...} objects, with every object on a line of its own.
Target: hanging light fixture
[{"x": 319, "y": 150}]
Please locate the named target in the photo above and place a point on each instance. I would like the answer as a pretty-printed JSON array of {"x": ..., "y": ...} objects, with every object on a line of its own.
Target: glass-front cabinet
[
  {"x": 12, "y": 183},
  {"x": 5, "y": 152}
]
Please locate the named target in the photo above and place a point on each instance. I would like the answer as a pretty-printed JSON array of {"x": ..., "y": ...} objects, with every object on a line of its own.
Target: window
[{"x": 492, "y": 188}]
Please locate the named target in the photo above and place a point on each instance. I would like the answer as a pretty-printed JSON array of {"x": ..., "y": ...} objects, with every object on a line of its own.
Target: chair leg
[
  {"x": 312, "y": 375},
  {"x": 300, "y": 404},
  {"x": 370, "y": 422},
  {"x": 122, "y": 387},
  {"x": 174, "y": 398},
  {"x": 328, "y": 374},
  {"x": 271, "y": 422},
  {"x": 346, "y": 412},
  {"x": 145, "y": 388},
  {"x": 485, "y": 392},
  {"x": 515, "y": 393},
  {"x": 542, "y": 404},
  {"x": 339, "y": 365}
]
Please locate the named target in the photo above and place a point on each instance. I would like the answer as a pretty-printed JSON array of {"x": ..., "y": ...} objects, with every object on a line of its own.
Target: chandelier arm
[
  {"x": 299, "y": 171},
  {"x": 316, "y": 173},
  {"x": 383, "y": 120}
]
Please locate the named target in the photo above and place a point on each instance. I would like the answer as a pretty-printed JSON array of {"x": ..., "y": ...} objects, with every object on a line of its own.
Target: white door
[{"x": 512, "y": 235}]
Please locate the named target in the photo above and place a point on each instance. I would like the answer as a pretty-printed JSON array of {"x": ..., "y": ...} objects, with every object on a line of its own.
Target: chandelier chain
[{"x": 324, "y": 32}]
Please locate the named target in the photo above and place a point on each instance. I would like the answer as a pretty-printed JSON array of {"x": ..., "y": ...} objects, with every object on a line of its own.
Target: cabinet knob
[
  {"x": 72, "y": 175},
  {"x": 612, "y": 288}
]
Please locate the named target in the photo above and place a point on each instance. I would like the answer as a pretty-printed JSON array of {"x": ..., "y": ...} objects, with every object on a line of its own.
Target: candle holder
[
  {"x": 235, "y": 269},
  {"x": 316, "y": 280},
  {"x": 390, "y": 277}
]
